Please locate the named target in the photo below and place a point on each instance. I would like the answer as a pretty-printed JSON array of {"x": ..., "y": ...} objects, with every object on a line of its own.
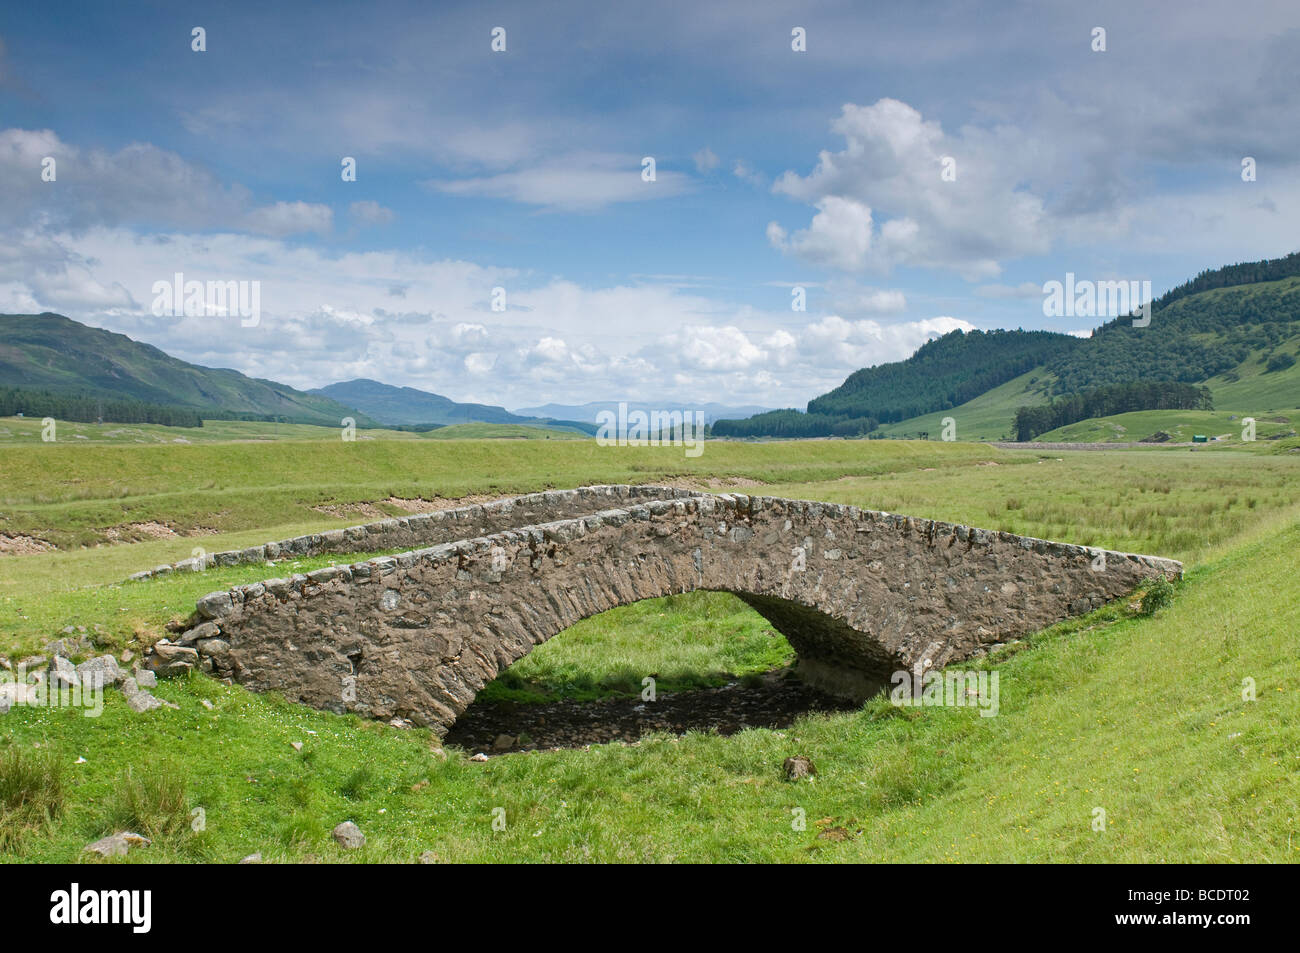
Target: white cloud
[
  {"x": 576, "y": 182},
  {"x": 138, "y": 184},
  {"x": 371, "y": 213},
  {"x": 890, "y": 173}
]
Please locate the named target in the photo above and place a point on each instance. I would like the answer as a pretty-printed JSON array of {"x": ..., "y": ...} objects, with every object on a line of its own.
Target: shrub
[
  {"x": 1279, "y": 362},
  {"x": 1158, "y": 595}
]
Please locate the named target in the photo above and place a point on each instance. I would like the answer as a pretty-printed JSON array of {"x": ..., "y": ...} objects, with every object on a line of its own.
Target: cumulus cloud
[
  {"x": 882, "y": 200},
  {"x": 329, "y": 316}
]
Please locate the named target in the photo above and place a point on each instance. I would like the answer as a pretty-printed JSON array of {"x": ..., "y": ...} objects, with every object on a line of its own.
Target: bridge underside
[{"x": 858, "y": 594}]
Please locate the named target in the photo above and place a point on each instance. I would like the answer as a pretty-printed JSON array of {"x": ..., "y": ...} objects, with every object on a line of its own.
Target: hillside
[
  {"x": 1234, "y": 329},
  {"x": 942, "y": 374},
  {"x": 50, "y": 352},
  {"x": 407, "y": 406}
]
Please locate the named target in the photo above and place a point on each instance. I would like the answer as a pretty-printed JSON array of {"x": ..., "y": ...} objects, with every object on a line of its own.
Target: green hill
[
  {"x": 942, "y": 374},
  {"x": 408, "y": 406},
  {"x": 53, "y": 353},
  {"x": 1235, "y": 330}
]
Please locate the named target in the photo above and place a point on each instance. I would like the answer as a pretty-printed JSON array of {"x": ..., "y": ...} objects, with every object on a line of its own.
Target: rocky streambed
[{"x": 775, "y": 700}]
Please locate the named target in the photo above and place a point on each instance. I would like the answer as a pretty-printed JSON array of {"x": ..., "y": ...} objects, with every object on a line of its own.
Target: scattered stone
[
  {"x": 145, "y": 678},
  {"x": 349, "y": 836},
  {"x": 252, "y": 858},
  {"x": 503, "y": 743},
  {"x": 428, "y": 857},
  {"x": 63, "y": 674},
  {"x": 479, "y": 757},
  {"x": 295, "y": 745},
  {"x": 438, "y": 753},
  {"x": 100, "y": 672},
  {"x": 126, "y": 656},
  {"x": 419, "y": 785},
  {"x": 15, "y": 693},
  {"x": 116, "y": 845},
  {"x": 400, "y": 723},
  {"x": 206, "y": 704},
  {"x": 204, "y": 630},
  {"x": 800, "y": 766},
  {"x": 142, "y": 701},
  {"x": 169, "y": 652}
]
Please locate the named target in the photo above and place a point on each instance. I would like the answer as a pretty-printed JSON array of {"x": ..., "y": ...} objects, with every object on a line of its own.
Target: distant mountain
[
  {"x": 399, "y": 406},
  {"x": 49, "y": 352},
  {"x": 588, "y": 412}
]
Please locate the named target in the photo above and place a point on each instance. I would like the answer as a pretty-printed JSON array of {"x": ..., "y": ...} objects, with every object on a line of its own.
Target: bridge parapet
[{"x": 859, "y": 594}]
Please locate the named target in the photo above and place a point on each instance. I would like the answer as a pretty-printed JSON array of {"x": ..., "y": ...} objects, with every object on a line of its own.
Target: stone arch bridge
[{"x": 859, "y": 594}]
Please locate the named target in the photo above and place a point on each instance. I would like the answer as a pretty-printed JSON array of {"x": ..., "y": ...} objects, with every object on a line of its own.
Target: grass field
[
  {"x": 1181, "y": 425},
  {"x": 1143, "y": 717}
]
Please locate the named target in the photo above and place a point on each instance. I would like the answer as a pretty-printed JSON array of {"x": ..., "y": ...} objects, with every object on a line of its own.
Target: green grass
[
  {"x": 1140, "y": 715},
  {"x": 479, "y": 431},
  {"x": 1181, "y": 425},
  {"x": 71, "y": 495},
  {"x": 697, "y": 640}
]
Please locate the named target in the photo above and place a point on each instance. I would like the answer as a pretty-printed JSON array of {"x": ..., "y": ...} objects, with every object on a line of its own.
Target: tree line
[
  {"x": 793, "y": 423},
  {"x": 1104, "y": 401},
  {"x": 84, "y": 408}
]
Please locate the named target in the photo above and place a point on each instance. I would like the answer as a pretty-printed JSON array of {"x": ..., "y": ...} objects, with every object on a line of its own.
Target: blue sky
[{"x": 522, "y": 170}]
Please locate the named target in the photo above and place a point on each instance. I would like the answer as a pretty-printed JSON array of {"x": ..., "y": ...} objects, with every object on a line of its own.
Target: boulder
[
  {"x": 63, "y": 674},
  {"x": 348, "y": 836},
  {"x": 800, "y": 766},
  {"x": 116, "y": 845}
]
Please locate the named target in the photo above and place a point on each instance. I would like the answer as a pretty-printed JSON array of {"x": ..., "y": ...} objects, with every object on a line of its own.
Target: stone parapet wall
[{"x": 859, "y": 594}]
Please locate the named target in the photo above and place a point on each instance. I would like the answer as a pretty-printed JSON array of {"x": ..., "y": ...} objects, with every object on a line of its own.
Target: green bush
[{"x": 1158, "y": 595}]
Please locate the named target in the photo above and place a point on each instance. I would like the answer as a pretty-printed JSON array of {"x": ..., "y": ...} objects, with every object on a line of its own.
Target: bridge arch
[{"x": 858, "y": 594}]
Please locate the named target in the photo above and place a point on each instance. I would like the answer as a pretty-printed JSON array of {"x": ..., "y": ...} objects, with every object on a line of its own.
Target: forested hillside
[
  {"x": 942, "y": 373},
  {"x": 1108, "y": 400},
  {"x": 1194, "y": 338}
]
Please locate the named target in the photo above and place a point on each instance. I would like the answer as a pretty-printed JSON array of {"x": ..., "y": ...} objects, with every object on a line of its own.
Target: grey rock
[
  {"x": 800, "y": 766},
  {"x": 63, "y": 674},
  {"x": 214, "y": 605},
  {"x": 141, "y": 701},
  {"x": 204, "y": 630},
  {"x": 252, "y": 858},
  {"x": 100, "y": 672},
  {"x": 116, "y": 845},
  {"x": 171, "y": 652},
  {"x": 348, "y": 836}
]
